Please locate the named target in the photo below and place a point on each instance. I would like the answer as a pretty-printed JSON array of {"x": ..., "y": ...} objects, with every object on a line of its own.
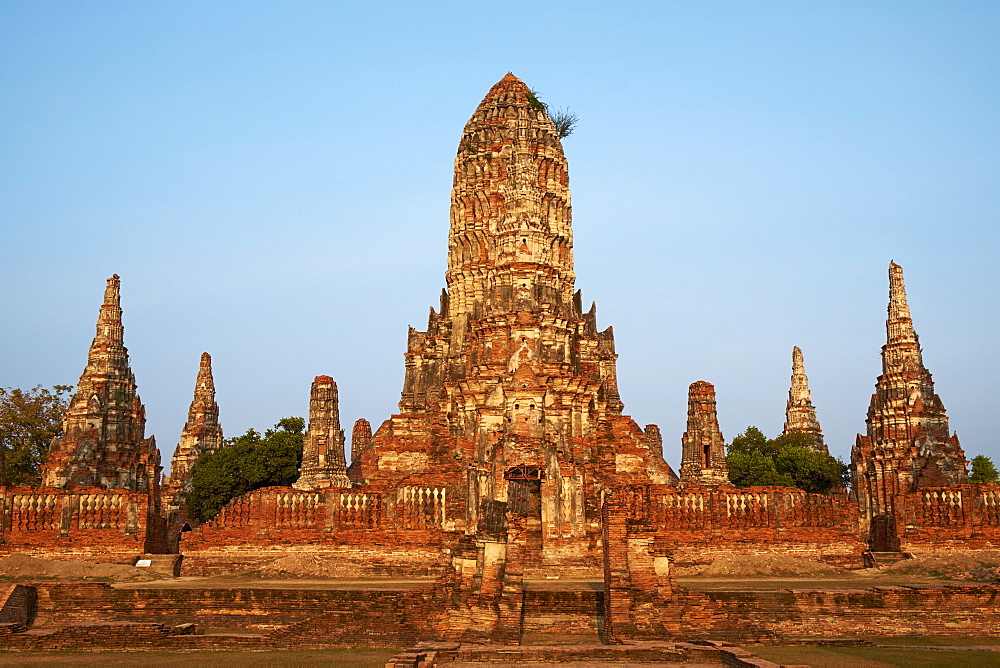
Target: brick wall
[
  {"x": 107, "y": 525},
  {"x": 952, "y": 518},
  {"x": 701, "y": 524}
]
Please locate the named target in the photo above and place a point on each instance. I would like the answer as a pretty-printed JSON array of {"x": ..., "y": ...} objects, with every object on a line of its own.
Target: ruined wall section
[
  {"x": 83, "y": 523},
  {"x": 952, "y": 519},
  {"x": 700, "y": 524},
  {"x": 408, "y": 530}
]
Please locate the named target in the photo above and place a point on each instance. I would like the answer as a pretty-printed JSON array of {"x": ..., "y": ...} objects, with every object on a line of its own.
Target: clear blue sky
[{"x": 271, "y": 181}]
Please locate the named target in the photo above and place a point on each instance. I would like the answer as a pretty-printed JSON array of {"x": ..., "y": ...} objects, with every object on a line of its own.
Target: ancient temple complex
[{"x": 510, "y": 455}]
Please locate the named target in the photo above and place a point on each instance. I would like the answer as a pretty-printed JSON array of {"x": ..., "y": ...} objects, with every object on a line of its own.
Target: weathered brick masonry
[
  {"x": 362, "y": 532},
  {"x": 86, "y": 523}
]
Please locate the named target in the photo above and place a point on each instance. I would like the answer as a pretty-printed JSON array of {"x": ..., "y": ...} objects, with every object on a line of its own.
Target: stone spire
[
  {"x": 703, "y": 453},
  {"x": 202, "y": 434},
  {"x": 361, "y": 437},
  {"x": 799, "y": 412},
  {"x": 323, "y": 447},
  {"x": 908, "y": 443},
  {"x": 103, "y": 442}
]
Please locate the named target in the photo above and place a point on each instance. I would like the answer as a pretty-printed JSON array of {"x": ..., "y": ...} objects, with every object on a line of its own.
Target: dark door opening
[
  {"x": 883, "y": 536},
  {"x": 524, "y": 497}
]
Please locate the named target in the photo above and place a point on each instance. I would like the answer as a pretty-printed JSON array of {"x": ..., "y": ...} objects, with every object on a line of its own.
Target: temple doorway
[
  {"x": 883, "y": 536},
  {"x": 524, "y": 497}
]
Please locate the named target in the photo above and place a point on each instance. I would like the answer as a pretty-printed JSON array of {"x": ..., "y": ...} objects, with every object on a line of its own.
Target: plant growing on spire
[{"x": 564, "y": 120}]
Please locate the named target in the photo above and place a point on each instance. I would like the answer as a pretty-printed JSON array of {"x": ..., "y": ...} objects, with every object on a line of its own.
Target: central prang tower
[{"x": 511, "y": 393}]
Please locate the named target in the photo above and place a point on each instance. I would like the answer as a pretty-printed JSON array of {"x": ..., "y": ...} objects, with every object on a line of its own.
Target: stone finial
[
  {"x": 323, "y": 462},
  {"x": 201, "y": 434},
  {"x": 899, "y": 324},
  {"x": 109, "y": 320},
  {"x": 898, "y": 308},
  {"x": 799, "y": 412},
  {"x": 103, "y": 442},
  {"x": 703, "y": 454},
  {"x": 361, "y": 437}
]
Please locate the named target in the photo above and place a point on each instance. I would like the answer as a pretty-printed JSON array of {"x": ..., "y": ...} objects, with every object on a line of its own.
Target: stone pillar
[
  {"x": 323, "y": 447},
  {"x": 703, "y": 457},
  {"x": 361, "y": 438}
]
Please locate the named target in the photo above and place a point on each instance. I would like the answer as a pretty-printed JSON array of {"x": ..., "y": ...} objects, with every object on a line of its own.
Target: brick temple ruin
[{"x": 511, "y": 458}]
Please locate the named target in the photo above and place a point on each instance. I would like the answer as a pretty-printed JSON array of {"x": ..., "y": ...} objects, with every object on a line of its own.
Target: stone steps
[{"x": 880, "y": 559}]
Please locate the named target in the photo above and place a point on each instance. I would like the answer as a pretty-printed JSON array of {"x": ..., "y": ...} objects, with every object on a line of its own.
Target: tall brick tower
[
  {"x": 511, "y": 393},
  {"x": 104, "y": 442},
  {"x": 703, "y": 451},
  {"x": 202, "y": 434},
  {"x": 908, "y": 444},
  {"x": 799, "y": 412}
]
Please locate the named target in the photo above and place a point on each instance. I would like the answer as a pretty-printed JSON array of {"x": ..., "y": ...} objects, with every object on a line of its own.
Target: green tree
[
  {"x": 243, "y": 464},
  {"x": 29, "y": 420},
  {"x": 983, "y": 470},
  {"x": 785, "y": 461}
]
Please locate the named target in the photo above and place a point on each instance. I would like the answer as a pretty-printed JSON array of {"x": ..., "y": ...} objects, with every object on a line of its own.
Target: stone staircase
[{"x": 882, "y": 559}]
